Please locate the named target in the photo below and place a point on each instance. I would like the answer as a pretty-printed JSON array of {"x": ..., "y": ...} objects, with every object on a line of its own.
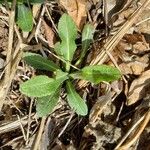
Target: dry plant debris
[
  {"x": 119, "y": 112},
  {"x": 77, "y": 9}
]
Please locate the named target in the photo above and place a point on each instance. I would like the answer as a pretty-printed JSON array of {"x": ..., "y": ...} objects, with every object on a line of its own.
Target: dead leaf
[
  {"x": 36, "y": 10},
  {"x": 143, "y": 22},
  {"x": 77, "y": 10},
  {"x": 50, "y": 35},
  {"x": 99, "y": 107},
  {"x": 133, "y": 38},
  {"x": 140, "y": 47},
  {"x": 136, "y": 66},
  {"x": 139, "y": 88},
  {"x": 127, "y": 54}
]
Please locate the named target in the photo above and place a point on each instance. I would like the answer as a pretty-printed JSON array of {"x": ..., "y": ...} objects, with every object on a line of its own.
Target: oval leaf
[
  {"x": 39, "y": 62},
  {"x": 97, "y": 74},
  {"x": 41, "y": 86},
  {"x": 24, "y": 18},
  {"x": 45, "y": 105},
  {"x": 67, "y": 31},
  {"x": 38, "y": 86},
  {"x": 75, "y": 101}
]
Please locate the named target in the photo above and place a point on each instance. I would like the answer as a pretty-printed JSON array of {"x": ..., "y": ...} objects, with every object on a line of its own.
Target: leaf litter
[{"x": 115, "y": 108}]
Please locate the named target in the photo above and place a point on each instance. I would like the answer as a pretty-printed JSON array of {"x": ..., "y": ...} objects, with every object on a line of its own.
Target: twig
[
  {"x": 66, "y": 125},
  {"x": 10, "y": 41},
  {"x": 147, "y": 19},
  {"x": 60, "y": 58},
  {"x": 53, "y": 24},
  {"x": 137, "y": 134},
  {"x": 39, "y": 134},
  {"x": 39, "y": 23},
  {"x": 29, "y": 121},
  {"x": 4, "y": 87},
  {"x": 13, "y": 125},
  {"x": 22, "y": 129}
]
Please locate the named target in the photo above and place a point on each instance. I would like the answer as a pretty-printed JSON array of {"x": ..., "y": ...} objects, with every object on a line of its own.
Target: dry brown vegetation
[{"x": 119, "y": 112}]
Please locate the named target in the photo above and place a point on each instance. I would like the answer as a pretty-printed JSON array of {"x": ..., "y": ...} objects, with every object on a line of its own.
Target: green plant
[
  {"x": 24, "y": 18},
  {"x": 47, "y": 89}
]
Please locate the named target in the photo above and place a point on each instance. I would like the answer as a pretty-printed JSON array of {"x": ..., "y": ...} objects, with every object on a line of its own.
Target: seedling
[{"x": 47, "y": 89}]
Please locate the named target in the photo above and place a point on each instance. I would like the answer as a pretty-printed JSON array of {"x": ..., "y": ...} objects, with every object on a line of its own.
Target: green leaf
[
  {"x": 41, "y": 86},
  {"x": 75, "y": 101},
  {"x": 97, "y": 74},
  {"x": 45, "y": 105},
  {"x": 60, "y": 75},
  {"x": 57, "y": 49},
  {"x": 39, "y": 62},
  {"x": 38, "y": 86},
  {"x": 24, "y": 18},
  {"x": 87, "y": 38},
  {"x": 67, "y": 31}
]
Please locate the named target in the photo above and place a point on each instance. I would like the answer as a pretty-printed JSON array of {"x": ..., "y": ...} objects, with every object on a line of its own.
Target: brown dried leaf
[
  {"x": 140, "y": 47},
  {"x": 139, "y": 88},
  {"x": 143, "y": 22},
  {"x": 77, "y": 10},
  {"x": 99, "y": 107},
  {"x": 50, "y": 35},
  {"x": 136, "y": 66},
  {"x": 127, "y": 62},
  {"x": 133, "y": 38}
]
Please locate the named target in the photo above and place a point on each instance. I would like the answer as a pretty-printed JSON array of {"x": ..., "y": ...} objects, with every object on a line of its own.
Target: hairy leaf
[
  {"x": 97, "y": 74},
  {"x": 39, "y": 62},
  {"x": 24, "y": 18},
  {"x": 45, "y": 105},
  {"x": 75, "y": 101},
  {"x": 67, "y": 32},
  {"x": 41, "y": 86},
  {"x": 60, "y": 75}
]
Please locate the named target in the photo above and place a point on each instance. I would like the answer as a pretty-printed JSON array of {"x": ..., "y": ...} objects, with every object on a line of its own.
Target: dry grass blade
[
  {"x": 39, "y": 134},
  {"x": 29, "y": 121},
  {"x": 137, "y": 134},
  {"x": 5, "y": 87},
  {"x": 13, "y": 125},
  {"x": 10, "y": 42},
  {"x": 5, "y": 84}
]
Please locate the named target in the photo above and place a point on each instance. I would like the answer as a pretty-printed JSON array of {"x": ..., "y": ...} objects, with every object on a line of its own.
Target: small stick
[
  {"x": 39, "y": 134},
  {"x": 10, "y": 42},
  {"x": 29, "y": 121},
  {"x": 66, "y": 125},
  {"x": 22, "y": 129},
  {"x": 138, "y": 132}
]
